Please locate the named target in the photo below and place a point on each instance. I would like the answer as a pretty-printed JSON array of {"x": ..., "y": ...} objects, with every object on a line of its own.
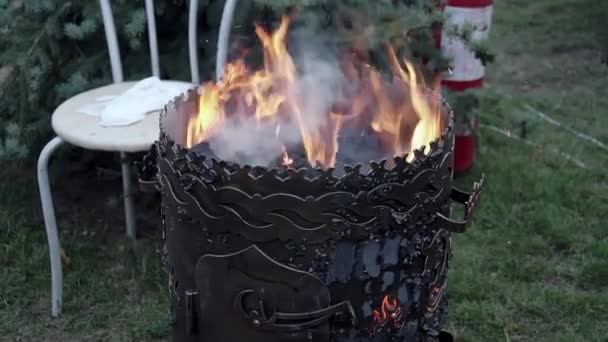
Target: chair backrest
[
  {"x": 224, "y": 37},
  {"x": 222, "y": 48},
  {"x": 114, "y": 50}
]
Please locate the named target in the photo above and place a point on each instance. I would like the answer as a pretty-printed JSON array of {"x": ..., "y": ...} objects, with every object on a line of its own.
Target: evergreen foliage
[
  {"x": 56, "y": 49},
  {"x": 408, "y": 25}
]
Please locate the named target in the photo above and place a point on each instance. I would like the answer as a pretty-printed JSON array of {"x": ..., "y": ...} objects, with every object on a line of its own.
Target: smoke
[
  {"x": 245, "y": 140},
  {"x": 320, "y": 74},
  {"x": 317, "y": 87},
  {"x": 321, "y": 92},
  {"x": 248, "y": 141}
]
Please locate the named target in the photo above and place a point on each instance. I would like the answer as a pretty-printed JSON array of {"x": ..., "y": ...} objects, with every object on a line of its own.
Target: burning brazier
[
  {"x": 285, "y": 253},
  {"x": 257, "y": 254}
]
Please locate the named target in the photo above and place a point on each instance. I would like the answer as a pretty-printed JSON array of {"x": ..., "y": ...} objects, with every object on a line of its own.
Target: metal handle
[
  {"x": 470, "y": 200},
  {"x": 292, "y": 322}
]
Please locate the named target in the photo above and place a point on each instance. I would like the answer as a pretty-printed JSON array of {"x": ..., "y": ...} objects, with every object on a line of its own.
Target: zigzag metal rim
[{"x": 400, "y": 164}]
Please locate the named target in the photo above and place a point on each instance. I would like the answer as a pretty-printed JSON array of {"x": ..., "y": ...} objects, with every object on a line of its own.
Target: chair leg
[
  {"x": 50, "y": 223},
  {"x": 128, "y": 196}
]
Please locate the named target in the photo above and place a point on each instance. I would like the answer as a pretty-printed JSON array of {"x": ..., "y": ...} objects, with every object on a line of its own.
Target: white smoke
[
  {"x": 320, "y": 78},
  {"x": 248, "y": 141}
]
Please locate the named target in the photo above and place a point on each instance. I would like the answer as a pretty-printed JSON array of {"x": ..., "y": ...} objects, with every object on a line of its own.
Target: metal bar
[
  {"x": 50, "y": 224},
  {"x": 224, "y": 37},
  {"x": 108, "y": 24},
  {"x": 470, "y": 202},
  {"x": 152, "y": 38},
  {"x": 191, "y": 301},
  {"x": 192, "y": 38},
  {"x": 128, "y": 195}
]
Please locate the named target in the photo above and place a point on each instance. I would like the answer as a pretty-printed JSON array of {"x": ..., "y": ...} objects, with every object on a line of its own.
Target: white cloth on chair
[{"x": 148, "y": 95}]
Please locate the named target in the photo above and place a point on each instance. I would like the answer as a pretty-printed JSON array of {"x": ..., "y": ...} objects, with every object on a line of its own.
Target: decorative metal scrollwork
[
  {"x": 288, "y": 216},
  {"x": 390, "y": 316},
  {"x": 436, "y": 266},
  {"x": 286, "y": 322}
]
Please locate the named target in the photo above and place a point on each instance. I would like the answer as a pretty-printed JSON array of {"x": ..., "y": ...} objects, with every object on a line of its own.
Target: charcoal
[
  {"x": 204, "y": 149},
  {"x": 299, "y": 161},
  {"x": 356, "y": 148},
  {"x": 257, "y": 171}
]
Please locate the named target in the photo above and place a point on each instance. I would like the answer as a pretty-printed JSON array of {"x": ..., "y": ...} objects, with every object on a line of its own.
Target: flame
[
  {"x": 390, "y": 311},
  {"x": 287, "y": 160},
  {"x": 402, "y": 112}
]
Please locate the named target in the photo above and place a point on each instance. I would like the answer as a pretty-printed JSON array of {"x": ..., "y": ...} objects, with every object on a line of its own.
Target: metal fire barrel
[{"x": 270, "y": 255}]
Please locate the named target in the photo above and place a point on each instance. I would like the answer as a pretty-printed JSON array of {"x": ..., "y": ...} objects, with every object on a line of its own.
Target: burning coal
[{"x": 270, "y": 114}]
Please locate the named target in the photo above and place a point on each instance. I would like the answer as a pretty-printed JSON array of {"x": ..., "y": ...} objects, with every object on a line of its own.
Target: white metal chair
[{"x": 84, "y": 131}]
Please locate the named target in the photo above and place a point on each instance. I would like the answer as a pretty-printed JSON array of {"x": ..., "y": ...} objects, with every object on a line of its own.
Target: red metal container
[{"x": 464, "y": 152}]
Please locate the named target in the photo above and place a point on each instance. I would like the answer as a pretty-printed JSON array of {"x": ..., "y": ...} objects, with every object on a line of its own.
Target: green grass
[
  {"x": 533, "y": 267},
  {"x": 114, "y": 290}
]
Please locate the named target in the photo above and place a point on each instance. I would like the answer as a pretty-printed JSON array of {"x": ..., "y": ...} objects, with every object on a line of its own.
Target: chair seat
[{"x": 85, "y": 131}]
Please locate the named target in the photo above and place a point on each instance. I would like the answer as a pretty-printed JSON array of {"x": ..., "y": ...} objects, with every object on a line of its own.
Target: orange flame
[
  {"x": 287, "y": 160},
  {"x": 401, "y": 112}
]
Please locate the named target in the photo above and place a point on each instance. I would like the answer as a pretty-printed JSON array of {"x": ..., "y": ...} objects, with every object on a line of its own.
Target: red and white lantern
[{"x": 466, "y": 71}]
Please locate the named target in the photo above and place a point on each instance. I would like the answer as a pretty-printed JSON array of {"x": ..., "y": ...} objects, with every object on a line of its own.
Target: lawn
[{"x": 533, "y": 266}]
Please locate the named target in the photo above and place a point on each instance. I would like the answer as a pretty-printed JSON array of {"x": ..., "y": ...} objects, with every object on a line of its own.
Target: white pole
[
  {"x": 152, "y": 38},
  {"x": 50, "y": 223},
  {"x": 192, "y": 46},
  {"x": 108, "y": 24},
  {"x": 224, "y": 38}
]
